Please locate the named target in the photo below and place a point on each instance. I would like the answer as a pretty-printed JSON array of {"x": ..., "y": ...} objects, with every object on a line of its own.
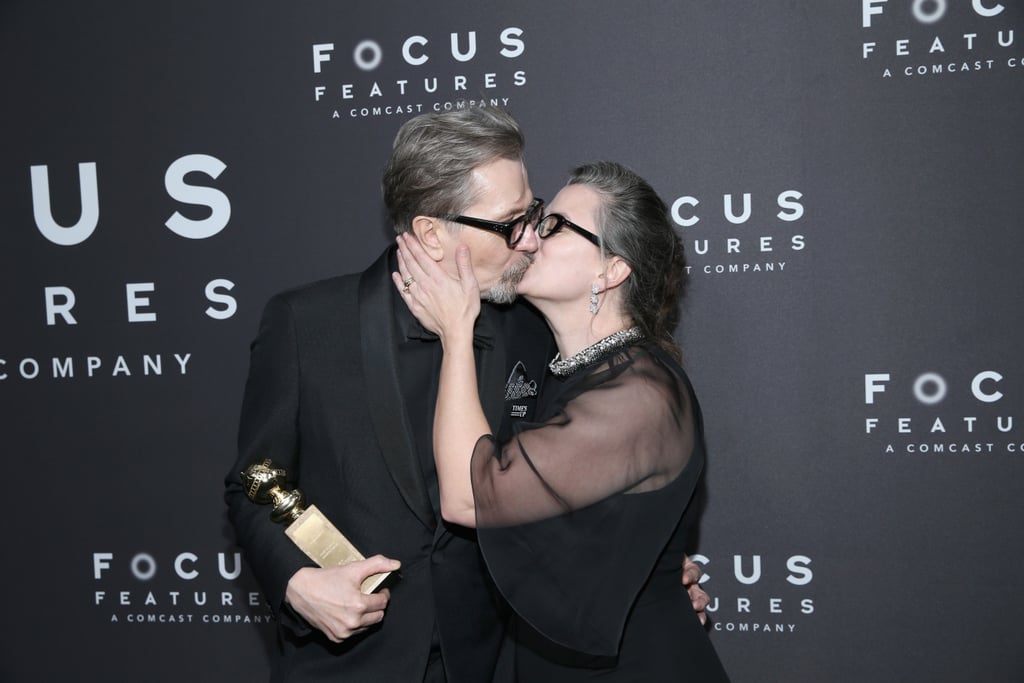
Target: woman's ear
[
  {"x": 431, "y": 234},
  {"x": 615, "y": 272}
]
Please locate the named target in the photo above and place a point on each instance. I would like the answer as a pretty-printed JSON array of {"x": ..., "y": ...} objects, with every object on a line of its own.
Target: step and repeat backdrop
[{"x": 847, "y": 177}]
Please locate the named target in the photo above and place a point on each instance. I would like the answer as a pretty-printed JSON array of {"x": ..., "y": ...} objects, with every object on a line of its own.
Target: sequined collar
[{"x": 595, "y": 352}]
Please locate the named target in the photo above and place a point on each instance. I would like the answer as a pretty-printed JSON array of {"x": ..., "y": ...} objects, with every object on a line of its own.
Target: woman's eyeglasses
[{"x": 554, "y": 222}]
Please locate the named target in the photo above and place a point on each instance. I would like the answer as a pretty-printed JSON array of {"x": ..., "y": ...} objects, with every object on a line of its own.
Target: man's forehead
[{"x": 501, "y": 188}]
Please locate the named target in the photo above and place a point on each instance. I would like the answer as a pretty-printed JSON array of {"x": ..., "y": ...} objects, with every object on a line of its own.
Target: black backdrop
[{"x": 846, "y": 177}]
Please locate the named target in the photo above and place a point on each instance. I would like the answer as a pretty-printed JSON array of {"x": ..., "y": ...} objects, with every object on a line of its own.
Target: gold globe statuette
[{"x": 308, "y": 528}]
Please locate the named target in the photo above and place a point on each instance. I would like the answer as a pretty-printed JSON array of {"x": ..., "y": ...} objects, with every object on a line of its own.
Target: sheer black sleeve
[{"x": 574, "y": 511}]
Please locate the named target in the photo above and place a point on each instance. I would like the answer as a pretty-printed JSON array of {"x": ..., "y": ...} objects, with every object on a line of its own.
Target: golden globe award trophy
[{"x": 307, "y": 526}]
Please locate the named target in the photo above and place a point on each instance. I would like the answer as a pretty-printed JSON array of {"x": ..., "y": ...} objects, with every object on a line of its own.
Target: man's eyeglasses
[
  {"x": 554, "y": 222},
  {"x": 512, "y": 231}
]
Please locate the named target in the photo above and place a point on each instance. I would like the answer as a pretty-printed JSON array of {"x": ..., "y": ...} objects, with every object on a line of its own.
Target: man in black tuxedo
[{"x": 341, "y": 391}]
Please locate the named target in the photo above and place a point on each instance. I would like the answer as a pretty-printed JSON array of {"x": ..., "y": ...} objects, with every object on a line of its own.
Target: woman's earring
[{"x": 593, "y": 299}]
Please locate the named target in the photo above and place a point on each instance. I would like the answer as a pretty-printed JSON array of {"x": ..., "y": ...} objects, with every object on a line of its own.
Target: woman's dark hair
[{"x": 635, "y": 226}]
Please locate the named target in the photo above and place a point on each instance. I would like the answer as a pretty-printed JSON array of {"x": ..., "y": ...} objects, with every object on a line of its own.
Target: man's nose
[{"x": 529, "y": 242}]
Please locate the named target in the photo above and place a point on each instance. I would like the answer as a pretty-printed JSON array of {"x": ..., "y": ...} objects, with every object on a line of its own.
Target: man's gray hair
[{"x": 434, "y": 155}]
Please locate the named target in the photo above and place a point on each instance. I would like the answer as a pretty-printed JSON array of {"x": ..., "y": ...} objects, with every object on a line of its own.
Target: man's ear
[
  {"x": 616, "y": 271},
  {"x": 431, "y": 234}
]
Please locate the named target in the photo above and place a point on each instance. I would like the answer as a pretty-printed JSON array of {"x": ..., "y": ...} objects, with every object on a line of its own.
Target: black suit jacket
[{"x": 323, "y": 402}]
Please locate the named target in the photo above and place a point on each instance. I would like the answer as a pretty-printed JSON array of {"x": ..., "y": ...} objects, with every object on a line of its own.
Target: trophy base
[{"x": 328, "y": 547}]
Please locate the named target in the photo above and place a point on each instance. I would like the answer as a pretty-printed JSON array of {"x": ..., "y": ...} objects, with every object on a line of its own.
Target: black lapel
[
  {"x": 380, "y": 349},
  {"x": 492, "y": 372}
]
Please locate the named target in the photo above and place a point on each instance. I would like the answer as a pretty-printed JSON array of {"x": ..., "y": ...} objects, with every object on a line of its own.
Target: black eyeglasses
[
  {"x": 512, "y": 231},
  {"x": 554, "y": 222}
]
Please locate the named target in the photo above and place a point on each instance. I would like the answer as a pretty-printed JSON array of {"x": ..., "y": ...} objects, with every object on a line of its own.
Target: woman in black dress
[{"x": 583, "y": 515}]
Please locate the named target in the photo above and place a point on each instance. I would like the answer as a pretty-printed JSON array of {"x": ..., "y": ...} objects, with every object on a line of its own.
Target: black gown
[{"x": 583, "y": 519}]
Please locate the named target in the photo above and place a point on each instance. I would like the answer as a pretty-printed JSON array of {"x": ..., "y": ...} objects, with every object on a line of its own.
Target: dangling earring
[{"x": 593, "y": 298}]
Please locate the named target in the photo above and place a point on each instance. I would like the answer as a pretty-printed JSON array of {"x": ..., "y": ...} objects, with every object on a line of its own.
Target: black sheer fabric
[{"x": 576, "y": 511}]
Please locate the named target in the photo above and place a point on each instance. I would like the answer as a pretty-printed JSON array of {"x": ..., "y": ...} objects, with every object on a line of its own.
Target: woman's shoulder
[
  {"x": 638, "y": 372},
  {"x": 657, "y": 377},
  {"x": 648, "y": 360}
]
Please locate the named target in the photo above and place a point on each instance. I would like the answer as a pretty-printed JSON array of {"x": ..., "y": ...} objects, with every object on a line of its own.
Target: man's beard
[{"x": 505, "y": 291}]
